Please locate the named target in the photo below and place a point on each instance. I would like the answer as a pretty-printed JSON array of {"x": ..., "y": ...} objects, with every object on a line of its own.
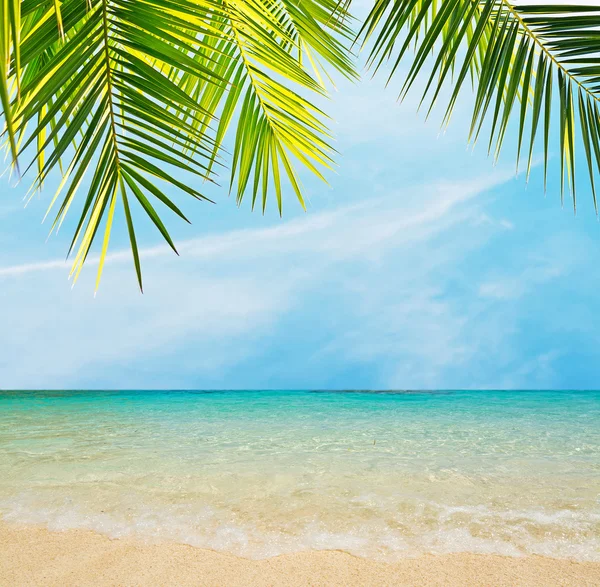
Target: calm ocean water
[{"x": 382, "y": 475}]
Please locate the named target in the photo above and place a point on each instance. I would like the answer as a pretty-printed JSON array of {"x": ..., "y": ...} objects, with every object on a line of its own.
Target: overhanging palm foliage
[
  {"x": 516, "y": 55},
  {"x": 127, "y": 95}
]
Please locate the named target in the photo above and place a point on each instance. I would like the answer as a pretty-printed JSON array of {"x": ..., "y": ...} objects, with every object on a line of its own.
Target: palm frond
[
  {"x": 129, "y": 96},
  {"x": 10, "y": 43},
  {"x": 270, "y": 54},
  {"x": 516, "y": 55}
]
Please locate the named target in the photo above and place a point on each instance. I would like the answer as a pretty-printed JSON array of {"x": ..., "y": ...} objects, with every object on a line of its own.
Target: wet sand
[{"x": 36, "y": 556}]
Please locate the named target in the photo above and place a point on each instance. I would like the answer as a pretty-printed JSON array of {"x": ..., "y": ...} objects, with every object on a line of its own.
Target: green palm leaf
[
  {"x": 515, "y": 54},
  {"x": 269, "y": 53},
  {"x": 129, "y": 96},
  {"x": 10, "y": 44}
]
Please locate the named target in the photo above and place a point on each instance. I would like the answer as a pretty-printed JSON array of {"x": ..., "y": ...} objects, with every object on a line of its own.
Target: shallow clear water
[{"x": 382, "y": 475}]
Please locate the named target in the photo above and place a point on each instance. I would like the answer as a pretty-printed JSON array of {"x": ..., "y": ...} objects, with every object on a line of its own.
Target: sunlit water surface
[{"x": 382, "y": 475}]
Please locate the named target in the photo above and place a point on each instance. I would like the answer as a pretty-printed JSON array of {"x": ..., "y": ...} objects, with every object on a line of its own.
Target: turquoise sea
[{"x": 259, "y": 473}]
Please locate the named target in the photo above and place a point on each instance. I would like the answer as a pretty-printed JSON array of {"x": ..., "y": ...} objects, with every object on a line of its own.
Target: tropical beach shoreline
[
  {"x": 385, "y": 477},
  {"x": 33, "y": 555}
]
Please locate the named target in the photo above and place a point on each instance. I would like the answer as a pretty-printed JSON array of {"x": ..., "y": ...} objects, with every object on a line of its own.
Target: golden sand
[{"x": 36, "y": 556}]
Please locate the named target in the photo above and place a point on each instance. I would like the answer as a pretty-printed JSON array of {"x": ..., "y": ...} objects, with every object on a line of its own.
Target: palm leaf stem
[{"x": 515, "y": 14}]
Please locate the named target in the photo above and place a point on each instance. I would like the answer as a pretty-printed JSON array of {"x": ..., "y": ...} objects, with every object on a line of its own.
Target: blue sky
[{"x": 423, "y": 265}]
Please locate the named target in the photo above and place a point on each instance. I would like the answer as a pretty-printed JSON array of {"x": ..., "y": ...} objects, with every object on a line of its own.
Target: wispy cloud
[
  {"x": 228, "y": 295},
  {"x": 538, "y": 271},
  {"x": 24, "y": 268},
  {"x": 373, "y": 226}
]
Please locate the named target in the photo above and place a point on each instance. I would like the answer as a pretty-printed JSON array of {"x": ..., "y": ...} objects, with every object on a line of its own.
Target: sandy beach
[
  {"x": 299, "y": 488},
  {"x": 36, "y": 556}
]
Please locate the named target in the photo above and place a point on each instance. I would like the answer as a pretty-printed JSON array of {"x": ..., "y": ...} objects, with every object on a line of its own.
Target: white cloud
[
  {"x": 373, "y": 226},
  {"x": 23, "y": 268},
  {"x": 536, "y": 273},
  {"x": 222, "y": 301}
]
